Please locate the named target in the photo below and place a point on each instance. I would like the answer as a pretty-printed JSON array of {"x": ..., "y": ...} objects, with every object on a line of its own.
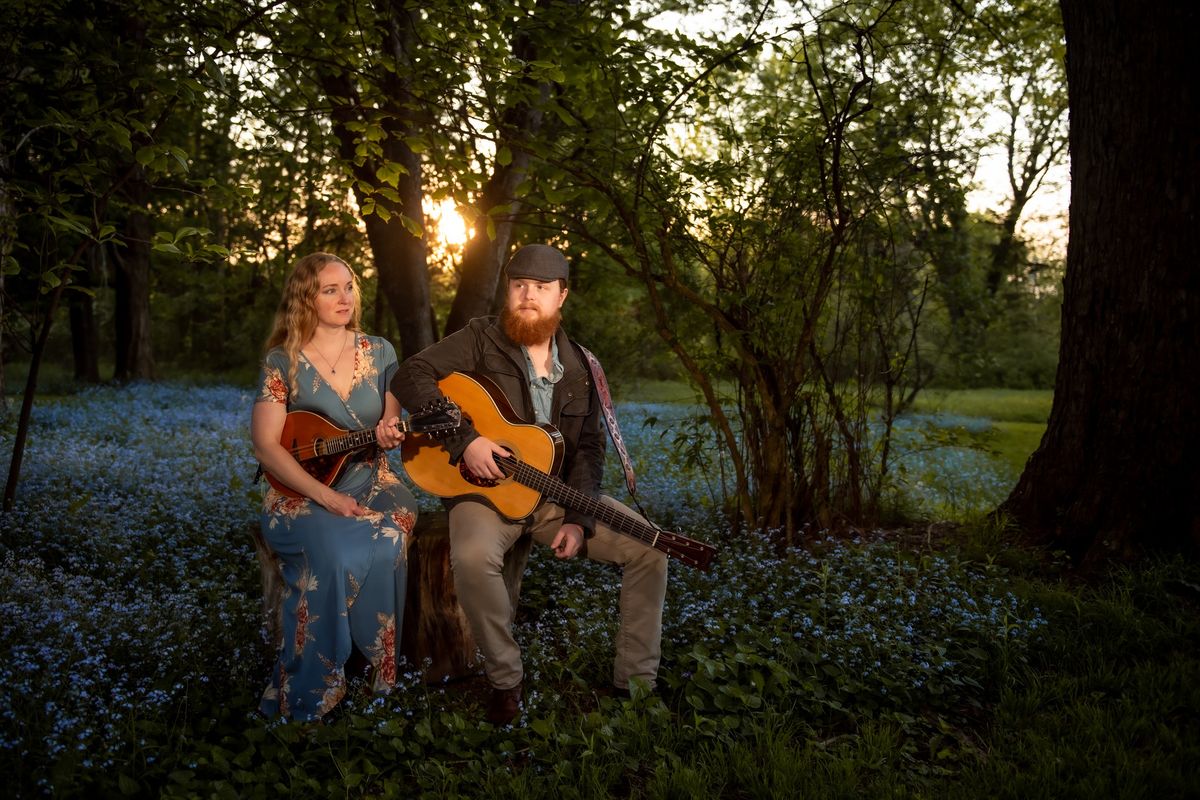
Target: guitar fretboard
[{"x": 695, "y": 553}]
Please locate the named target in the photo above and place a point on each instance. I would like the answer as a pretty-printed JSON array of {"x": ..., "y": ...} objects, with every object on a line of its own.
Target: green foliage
[{"x": 1108, "y": 704}]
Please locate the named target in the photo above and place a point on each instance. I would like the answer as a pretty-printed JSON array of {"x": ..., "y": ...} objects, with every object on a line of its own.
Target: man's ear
[{"x": 563, "y": 297}]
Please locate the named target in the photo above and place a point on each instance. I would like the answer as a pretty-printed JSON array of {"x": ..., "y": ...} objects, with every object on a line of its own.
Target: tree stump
[{"x": 435, "y": 627}]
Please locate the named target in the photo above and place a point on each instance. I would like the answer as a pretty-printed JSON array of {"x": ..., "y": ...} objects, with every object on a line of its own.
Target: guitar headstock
[
  {"x": 688, "y": 551},
  {"x": 438, "y": 418}
]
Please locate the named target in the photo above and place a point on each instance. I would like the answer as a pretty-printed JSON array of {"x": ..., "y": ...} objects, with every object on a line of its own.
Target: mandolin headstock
[{"x": 438, "y": 418}]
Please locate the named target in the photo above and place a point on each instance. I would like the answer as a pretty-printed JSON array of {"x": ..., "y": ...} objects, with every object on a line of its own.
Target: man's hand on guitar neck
[{"x": 478, "y": 458}]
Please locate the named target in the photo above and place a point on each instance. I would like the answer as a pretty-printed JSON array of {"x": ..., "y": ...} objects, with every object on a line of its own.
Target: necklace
[{"x": 338, "y": 360}]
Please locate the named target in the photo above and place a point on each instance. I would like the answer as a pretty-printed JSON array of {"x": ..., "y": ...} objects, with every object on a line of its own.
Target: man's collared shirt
[{"x": 542, "y": 389}]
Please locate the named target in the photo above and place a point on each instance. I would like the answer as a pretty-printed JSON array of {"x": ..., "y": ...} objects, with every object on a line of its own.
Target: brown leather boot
[{"x": 504, "y": 705}]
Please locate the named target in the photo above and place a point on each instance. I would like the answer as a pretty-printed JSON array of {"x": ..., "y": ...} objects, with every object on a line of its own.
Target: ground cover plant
[{"x": 871, "y": 663}]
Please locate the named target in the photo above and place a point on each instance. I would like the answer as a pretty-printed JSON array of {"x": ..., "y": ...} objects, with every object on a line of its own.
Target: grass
[
  {"x": 998, "y": 405},
  {"x": 885, "y": 665}
]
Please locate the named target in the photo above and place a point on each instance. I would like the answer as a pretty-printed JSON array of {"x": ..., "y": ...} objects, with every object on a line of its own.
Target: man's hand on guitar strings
[{"x": 479, "y": 458}]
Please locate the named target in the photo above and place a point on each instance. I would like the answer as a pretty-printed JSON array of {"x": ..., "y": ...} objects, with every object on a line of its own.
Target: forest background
[{"x": 771, "y": 206}]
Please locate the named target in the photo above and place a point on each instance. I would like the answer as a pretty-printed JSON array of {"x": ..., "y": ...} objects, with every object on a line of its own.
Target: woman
[{"x": 341, "y": 547}]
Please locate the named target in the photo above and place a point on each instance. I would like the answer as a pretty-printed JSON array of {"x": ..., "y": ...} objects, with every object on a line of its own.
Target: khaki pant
[{"x": 479, "y": 538}]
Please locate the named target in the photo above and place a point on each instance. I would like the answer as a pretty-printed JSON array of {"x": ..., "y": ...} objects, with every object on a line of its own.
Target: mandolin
[
  {"x": 323, "y": 448},
  {"x": 537, "y": 452}
]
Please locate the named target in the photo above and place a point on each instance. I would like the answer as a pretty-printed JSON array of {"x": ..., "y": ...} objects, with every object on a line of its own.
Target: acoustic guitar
[
  {"x": 323, "y": 448},
  {"x": 537, "y": 453}
]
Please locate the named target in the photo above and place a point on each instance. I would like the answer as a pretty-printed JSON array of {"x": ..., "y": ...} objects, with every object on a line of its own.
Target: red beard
[{"x": 529, "y": 332}]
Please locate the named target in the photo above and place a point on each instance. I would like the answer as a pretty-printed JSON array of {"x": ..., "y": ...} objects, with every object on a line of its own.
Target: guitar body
[
  {"x": 482, "y": 402},
  {"x": 307, "y": 428}
]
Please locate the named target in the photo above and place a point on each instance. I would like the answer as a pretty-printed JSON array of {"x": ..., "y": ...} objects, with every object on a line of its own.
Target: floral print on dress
[
  {"x": 304, "y": 620},
  {"x": 383, "y": 652},
  {"x": 344, "y": 577},
  {"x": 274, "y": 387}
]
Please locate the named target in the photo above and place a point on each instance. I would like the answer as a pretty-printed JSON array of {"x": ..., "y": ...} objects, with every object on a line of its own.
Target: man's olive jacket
[{"x": 483, "y": 348}]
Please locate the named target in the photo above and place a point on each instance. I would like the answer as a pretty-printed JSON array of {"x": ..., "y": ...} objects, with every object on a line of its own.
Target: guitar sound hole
[{"x": 473, "y": 479}]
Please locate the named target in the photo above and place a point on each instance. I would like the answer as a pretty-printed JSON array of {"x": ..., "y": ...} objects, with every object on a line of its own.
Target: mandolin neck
[{"x": 355, "y": 440}]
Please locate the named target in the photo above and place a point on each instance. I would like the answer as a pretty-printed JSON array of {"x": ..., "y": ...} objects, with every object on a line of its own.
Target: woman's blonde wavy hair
[{"x": 296, "y": 317}]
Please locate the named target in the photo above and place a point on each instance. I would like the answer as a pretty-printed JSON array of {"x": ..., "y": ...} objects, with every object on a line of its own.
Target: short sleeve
[
  {"x": 272, "y": 382},
  {"x": 388, "y": 364}
]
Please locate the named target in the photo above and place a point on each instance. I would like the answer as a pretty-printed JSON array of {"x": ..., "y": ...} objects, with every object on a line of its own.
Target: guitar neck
[{"x": 690, "y": 551}]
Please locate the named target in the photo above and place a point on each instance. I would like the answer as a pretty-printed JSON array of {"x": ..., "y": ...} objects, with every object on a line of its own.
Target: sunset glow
[{"x": 449, "y": 226}]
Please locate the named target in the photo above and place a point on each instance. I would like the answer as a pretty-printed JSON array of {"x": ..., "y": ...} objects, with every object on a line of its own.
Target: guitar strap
[{"x": 610, "y": 417}]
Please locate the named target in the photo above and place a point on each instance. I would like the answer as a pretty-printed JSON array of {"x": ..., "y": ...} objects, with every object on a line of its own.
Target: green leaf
[
  {"x": 214, "y": 71},
  {"x": 504, "y": 156},
  {"x": 129, "y": 786},
  {"x": 412, "y": 226},
  {"x": 69, "y": 224},
  {"x": 562, "y": 114},
  {"x": 180, "y": 156},
  {"x": 145, "y": 155},
  {"x": 390, "y": 173},
  {"x": 120, "y": 135}
]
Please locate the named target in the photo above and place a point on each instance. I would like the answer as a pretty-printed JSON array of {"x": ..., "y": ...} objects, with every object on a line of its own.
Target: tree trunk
[
  {"x": 84, "y": 335},
  {"x": 1116, "y": 470},
  {"x": 403, "y": 279},
  {"x": 85, "y": 330},
  {"x": 135, "y": 360},
  {"x": 485, "y": 253}
]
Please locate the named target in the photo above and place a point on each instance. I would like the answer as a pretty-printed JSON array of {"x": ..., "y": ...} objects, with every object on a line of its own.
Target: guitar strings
[{"x": 547, "y": 484}]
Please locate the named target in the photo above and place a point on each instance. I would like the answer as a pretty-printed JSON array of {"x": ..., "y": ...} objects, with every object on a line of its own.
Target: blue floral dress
[{"x": 344, "y": 577}]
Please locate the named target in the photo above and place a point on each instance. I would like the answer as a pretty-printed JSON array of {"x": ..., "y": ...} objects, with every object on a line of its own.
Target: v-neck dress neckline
[{"x": 345, "y": 398}]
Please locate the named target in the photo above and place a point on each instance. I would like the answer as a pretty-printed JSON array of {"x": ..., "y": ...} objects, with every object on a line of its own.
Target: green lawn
[{"x": 999, "y": 405}]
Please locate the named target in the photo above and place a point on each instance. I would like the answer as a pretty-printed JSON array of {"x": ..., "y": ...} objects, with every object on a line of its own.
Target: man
[{"x": 546, "y": 379}]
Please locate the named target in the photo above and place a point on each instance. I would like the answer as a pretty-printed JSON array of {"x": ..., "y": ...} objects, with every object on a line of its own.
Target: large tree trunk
[
  {"x": 135, "y": 360},
  {"x": 403, "y": 280},
  {"x": 1117, "y": 471}
]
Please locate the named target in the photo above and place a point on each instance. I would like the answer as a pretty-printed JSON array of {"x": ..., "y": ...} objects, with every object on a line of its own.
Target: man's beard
[{"x": 529, "y": 332}]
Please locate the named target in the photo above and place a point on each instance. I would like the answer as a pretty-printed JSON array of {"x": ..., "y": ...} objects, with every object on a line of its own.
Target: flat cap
[{"x": 538, "y": 261}]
